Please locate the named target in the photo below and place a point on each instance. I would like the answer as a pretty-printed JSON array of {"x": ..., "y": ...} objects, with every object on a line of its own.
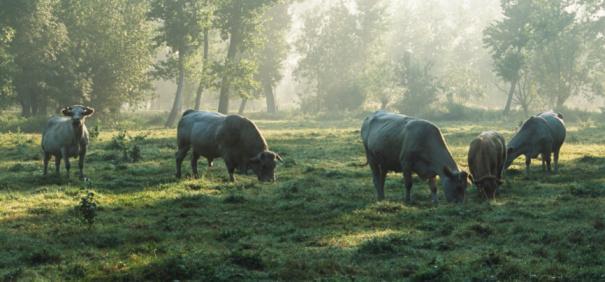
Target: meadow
[{"x": 320, "y": 220}]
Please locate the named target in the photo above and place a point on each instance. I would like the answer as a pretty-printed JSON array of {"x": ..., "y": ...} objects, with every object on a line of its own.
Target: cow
[
  {"x": 65, "y": 137},
  {"x": 234, "y": 138},
  {"x": 400, "y": 143},
  {"x": 486, "y": 157},
  {"x": 542, "y": 134}
]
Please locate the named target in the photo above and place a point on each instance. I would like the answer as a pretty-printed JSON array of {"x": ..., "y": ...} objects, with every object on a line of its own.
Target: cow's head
[
  {"x": 264, "y": 165},
  {"x": 487, "y": 186},
  {"x": 454, "y": 184},
  {"x": 78, "y": 114}
]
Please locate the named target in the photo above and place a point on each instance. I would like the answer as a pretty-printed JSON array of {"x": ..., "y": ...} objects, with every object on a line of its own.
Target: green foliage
[
  {"x": 335, "y": 47},
  {"x": 129, "y": 146},
  {"x": 7, "y": 67},
  {"x": 64, "y": 52},
  {"x": 553, "y": 45},
  {"x": 94, "y": 132},
  {"x": 87, "y": 210},
  {"x": 421, "y": 87}
]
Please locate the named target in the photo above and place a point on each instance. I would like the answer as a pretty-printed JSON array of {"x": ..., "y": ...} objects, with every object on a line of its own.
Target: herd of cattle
[{"x": 392, "y": 142}]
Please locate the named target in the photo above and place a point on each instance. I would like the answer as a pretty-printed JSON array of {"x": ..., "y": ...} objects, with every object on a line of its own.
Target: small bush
[
  {"x": 87, "y": 210},
  {"x": 94, "y": 132},
  {"x": 128, "y": 145}
]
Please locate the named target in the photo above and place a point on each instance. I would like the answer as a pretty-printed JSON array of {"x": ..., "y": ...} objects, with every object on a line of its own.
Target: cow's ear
[
  {"x": 66, "y": 111},
  {"x": 448, "y": 172},
  {"x": 255, "y": 159},
  {"x": 89, "y": 111}
]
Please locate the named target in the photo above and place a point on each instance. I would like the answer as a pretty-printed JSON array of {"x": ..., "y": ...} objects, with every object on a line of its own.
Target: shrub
[
  {"x": 128, "y": 145},
  {"x": 87, "y": 210}
]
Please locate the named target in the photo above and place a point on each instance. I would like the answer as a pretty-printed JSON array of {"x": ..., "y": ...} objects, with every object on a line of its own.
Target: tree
[
  {"x": 182, "y": 25},
  {"x": 273, "y": 52},
  {"x": 204, "y": 72},
  {"x": 565, "y": 60},
  {"x": 508, "y": 40},
  {"x": 237, "y": 20},
  {"x": 7, "y": 67},
  {"x": 421, "y": 87},
  {"x": 335, "y": 47},
  {"x": 39, "y": 38},
  {"x": 109, "y": 53},
  {"x": 560, "y": 44}
]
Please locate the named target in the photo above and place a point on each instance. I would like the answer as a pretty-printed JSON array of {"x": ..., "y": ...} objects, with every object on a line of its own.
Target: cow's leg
[
  {"x": 81, "y": 161},
  {"x": 407, "y": 179},
  {"x": 46, "y": 159},
  {"x": 543, "y": 163},
  {"x": 58, "y": 164},
  {"x": 194, "y": 157},
  {"x": 65, "y": 154},
  {"x": 556, "y": 159},
  {"x": 433, "y": 187},
  {"x": 180, "y": 156},
  {"x": 230, "y": 169},
  {"x": 209, "y": 161},
  {"x": 527, "y": 163},
  {"x": 546, "y": 159},
  {"x": 378, "y": 177}
]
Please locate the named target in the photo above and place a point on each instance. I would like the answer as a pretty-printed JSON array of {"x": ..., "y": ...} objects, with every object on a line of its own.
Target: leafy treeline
[
  {"x": 549, "y": 51},
  {"x": 411, "y": 56},
  {"x": 416, "y": 56},
  {"x": 69, "y": 51},
  {"x": 102, "y": 53}
]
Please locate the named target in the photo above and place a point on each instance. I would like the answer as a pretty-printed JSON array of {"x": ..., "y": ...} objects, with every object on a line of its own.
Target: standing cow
[
  {"x": 399, "y": 143},
  {"x": 65, "y": 137},
  {"x": 486, "y": 157},
  {"x": 542, "y": 134},
  {"x": 234, "y": 138}
]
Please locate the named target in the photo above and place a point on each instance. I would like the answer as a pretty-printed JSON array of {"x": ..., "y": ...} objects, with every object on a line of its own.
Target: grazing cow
[
  {"x": 542, "y": 134},
  {"x": 234, "y": 138},
  {"x": 486, "y": 157},
  {"x": 399, "y": 143},
  {"x": 66, "y": 137}
]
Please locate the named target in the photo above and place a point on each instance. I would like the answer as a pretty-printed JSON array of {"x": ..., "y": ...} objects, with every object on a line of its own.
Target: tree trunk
[
  {"x": 242, "y": 106},
  {"x": 25, "y": 107},
  {"x": 509, "y": 100},
  {"x": 200, "y": 87},
  {"x": 178, "y": 99},
  {"x": 223, "y": 103},
  {"x": 43, "y": 108},
  {"x": 271, "y": 106}
]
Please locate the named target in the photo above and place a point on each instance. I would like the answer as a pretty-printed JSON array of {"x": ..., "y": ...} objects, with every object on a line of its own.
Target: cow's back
[
  {"x": 198, "y": 129},
  {"x": 556, "y": 126},
  {"x": 487, "y": 154},
  {"x": 239, "y": 136},
  {"x": 382, "y": 135}
]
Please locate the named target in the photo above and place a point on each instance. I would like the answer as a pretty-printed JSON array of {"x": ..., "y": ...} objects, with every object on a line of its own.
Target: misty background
[{"x": 417, "y": 57}]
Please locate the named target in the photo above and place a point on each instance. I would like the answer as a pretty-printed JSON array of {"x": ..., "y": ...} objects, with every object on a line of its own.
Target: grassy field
[{"x": 319, "y": 220}]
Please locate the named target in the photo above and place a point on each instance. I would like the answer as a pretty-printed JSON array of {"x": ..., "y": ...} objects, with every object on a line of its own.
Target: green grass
[{"x": 319, "y": 220}]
